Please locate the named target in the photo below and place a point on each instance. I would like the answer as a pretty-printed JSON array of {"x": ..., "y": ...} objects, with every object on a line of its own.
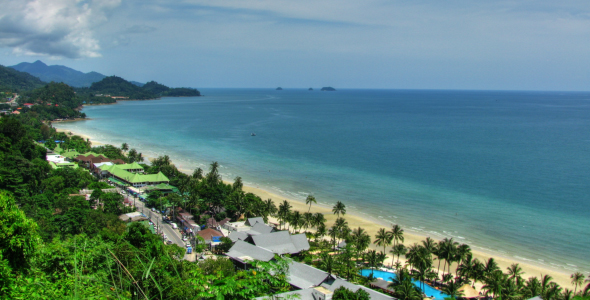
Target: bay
[{"x": 504, "y": 171}]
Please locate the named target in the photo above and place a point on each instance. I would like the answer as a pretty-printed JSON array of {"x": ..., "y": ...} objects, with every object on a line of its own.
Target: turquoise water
[
  {"x": 505, "y": 172},
  {"x": 388, "y": 276}
]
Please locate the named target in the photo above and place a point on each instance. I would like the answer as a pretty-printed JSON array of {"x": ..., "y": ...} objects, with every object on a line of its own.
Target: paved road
[{"x": 172, "y": 234}]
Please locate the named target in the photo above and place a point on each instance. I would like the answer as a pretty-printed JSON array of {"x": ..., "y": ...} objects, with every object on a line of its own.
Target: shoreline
[{"x": 373, "y": 224}]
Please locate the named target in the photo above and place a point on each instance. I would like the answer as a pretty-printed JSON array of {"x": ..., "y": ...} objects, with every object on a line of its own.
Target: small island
[
  {"x": 310, "y": 89},
  {"x": 328, "y": 89},
  {"x": 279, "y": 88}
]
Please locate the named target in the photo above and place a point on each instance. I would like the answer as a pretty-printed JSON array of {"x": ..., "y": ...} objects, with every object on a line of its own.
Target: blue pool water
[{"x": 387, "y": 276}]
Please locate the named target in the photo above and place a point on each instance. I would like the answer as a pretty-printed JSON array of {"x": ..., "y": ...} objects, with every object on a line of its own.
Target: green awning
[{"x": 117, "y": 181}]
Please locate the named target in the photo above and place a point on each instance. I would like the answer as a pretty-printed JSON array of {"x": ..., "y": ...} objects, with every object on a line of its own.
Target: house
[
  {"x": 302, "y": 276},
  {"x": 325, "y": 291},
  {"x": 133, "y": 217},
  {"x": 281, "y": 242},
  {"x": 212, "y": 223},
  {"x": 120, "y": 175},
  {"x": 29, "y": 105},
  {"x": 241, "y": 253},
  {"x": 257, "y": 229},
  {"x": 55, "y": 158},
  {"x": 208, "y": 234}
]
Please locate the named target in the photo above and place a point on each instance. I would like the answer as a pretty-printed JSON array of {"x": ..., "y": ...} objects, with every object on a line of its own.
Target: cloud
[{"x": 56, "y": 28}]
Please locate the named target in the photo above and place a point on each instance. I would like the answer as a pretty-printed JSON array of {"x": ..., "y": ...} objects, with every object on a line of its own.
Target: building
[
  {"x": 209, "y": 235},
  {"x": 121, "y": 175},
  {"x": 281, "y": 242}
]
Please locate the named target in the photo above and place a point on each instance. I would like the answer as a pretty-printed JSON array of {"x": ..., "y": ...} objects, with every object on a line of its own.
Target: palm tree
[
  {"x": 327, "y": 263},
  {"x": 308, "y": 220},
  {"x": 284, "y": 211},
  {"x": 382, "y": 238},
  {"x": 372, "y": 258},
  {"x": 532, "y": 287},
  {"x": 577, "y": 279},
  {"x": 309, "y": 200},
  {"x": 494, "y": 283},
  {"x": 296, "y": 220},
  {"x": 398, "y": 250},
  {"x": 318, "y": 218},
  {"x": 452, "y": 289},
  {"x": 462, "y": 252},
  {"x": 397, "y": 234},
  {"x": 339, "y": 208},
  {"x": 342, "y": 229},
  {"x": 360, "y": 239},
  {"x": 124, "y": 147},
  {"x": 268, "y": 209},
  {"x": 320, "y": 231},
  {"x": 430, "y": 245},
  {"x": 515, "y": 271},
  {"x": 545, "y": 285}
]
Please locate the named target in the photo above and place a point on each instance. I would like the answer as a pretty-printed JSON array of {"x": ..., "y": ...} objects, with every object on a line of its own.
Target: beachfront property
[{"x": 123, "y": 176}]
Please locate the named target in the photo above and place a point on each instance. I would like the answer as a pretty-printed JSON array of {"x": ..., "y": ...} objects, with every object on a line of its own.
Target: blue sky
[{"x": 506, "y": 45}]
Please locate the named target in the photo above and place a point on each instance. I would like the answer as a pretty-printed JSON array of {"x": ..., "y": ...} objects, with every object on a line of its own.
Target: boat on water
[{"x": 252, "y": 134}]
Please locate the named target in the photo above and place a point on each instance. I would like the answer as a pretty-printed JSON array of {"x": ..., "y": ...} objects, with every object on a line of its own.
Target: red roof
[
  {"x": 28, "y": 104},
  {"x": 56, "y": 105},
  {"x": 208, "y": 233}
]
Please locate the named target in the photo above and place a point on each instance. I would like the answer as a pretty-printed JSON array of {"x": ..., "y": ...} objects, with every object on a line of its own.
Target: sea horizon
[{"x": 466, "y": 164}]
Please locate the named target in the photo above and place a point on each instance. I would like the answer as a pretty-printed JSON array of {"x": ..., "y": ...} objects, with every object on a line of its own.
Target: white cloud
[{"x": 56, "y": 28}]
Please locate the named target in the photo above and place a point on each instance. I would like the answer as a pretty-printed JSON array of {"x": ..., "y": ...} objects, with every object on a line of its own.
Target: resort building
[{"x": 121, "y": 175}]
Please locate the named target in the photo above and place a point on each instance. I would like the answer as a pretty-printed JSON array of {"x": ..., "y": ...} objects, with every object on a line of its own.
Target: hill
[
  {"x": 117, "y": 86},
  {"x": 15, "y": 81},
  {"x": 328, "y": 89},
  {"x": 59, "y": 73},
  {"x": 164, "y": 91}
]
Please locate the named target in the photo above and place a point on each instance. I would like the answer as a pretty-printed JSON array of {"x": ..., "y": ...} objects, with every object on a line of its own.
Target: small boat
[{"x": 252, "y": 134}]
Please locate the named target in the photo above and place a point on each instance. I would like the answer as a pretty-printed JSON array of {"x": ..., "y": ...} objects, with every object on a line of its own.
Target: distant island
[
  {"x": 310, "y": 89},
  {"x": 279, "y": 88},
  {"x": 328, "y": 89}
]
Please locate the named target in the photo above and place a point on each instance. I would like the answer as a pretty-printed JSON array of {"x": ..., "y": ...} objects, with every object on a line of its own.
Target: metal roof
[{"x": 242, "y": 249}]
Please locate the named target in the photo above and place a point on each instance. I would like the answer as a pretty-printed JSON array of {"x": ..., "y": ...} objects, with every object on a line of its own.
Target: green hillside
[{"x": 15, "y": 81}]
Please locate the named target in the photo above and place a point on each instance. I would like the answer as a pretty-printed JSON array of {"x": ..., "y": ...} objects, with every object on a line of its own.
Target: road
[{"x": 172, "y": 234}]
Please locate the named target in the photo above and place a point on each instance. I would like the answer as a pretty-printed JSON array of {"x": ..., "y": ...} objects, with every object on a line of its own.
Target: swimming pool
[{"x": 428, "y": 290}]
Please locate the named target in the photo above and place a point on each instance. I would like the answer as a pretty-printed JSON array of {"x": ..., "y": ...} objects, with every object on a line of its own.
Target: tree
[
  {"x": 382, "y": 238},
  {"x": 343, "y": 293},
  {"x": 398, "y": 250},
  {"x": 309, "y": 200},
  {"x": 515, "y": 271},
  {"x": 360, "y": 240},
  {"x": 19, "y": 236},
  {"x": 577, "y": 279},
  {"x": 327, "y": 263},
  {"x": 339, "y": 208},
  {"x": 284, "y": 211},
  {"x": 397, "y": 234},
  {"x": 124, "y": 147},
  {"x": 452, "y": 289}
]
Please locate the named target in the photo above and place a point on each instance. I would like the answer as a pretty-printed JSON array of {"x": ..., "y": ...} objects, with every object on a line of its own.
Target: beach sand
[{"x": 372, "y": 226}]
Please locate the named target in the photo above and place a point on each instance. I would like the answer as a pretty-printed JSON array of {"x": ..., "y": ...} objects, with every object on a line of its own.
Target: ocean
[{"x": 506, "y": 172}]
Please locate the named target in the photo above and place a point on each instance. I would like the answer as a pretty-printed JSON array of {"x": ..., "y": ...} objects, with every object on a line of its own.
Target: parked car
[{"x": 174, "y": 226}]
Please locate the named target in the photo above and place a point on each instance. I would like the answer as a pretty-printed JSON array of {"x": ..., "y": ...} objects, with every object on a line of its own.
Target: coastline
[{"x": 372, "y": 225}]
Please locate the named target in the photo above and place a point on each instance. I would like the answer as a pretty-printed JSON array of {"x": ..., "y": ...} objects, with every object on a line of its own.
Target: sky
[{"x": 420, "y": 44}]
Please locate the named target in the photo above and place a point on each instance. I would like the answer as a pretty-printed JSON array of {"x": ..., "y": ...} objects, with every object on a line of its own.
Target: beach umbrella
[{"x": 468, "y": 291}]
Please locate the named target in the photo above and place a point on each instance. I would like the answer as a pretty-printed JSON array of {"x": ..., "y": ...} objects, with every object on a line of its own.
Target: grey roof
[
  {"x": 305, "y": 276},
  {"x": 238, "y": 236},
  {"x": 300, "y": 242},
  {"x": 281, "y": 242},
  {"x": 333, "y": 284},
  {"x": 259, "y": 228},
  {"x": 253, "y": 221},
  {"x": 243, "y": 251},
  {"x": 305, "y": 294}
]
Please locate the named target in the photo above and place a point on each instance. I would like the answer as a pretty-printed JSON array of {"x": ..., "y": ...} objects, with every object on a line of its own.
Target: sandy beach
[{"x": 373, "y": 225}]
